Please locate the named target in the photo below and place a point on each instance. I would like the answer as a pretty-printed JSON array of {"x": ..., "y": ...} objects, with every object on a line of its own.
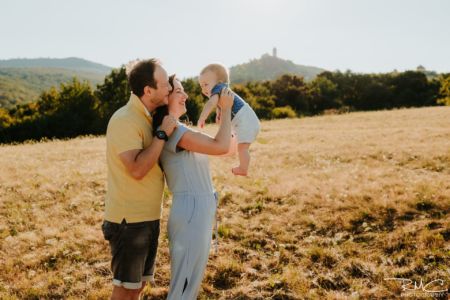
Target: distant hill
[
  {"x": 23, "y": 80},
  {"x": 70, "y": 63},
  {"x": 270, "y": 67}
]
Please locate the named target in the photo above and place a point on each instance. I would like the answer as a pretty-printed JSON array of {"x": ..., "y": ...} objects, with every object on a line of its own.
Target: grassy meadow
[{"x": 333, "y": 206}]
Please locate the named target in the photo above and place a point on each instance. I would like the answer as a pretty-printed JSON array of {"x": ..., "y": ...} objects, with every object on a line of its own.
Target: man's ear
[{"x": 148, "y": 91}]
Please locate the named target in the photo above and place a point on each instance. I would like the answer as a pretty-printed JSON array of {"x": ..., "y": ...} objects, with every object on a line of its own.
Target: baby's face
[{"x": 207, "y": 81}]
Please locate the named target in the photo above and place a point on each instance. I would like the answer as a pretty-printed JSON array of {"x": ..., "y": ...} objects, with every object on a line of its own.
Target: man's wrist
[{"x": 162, "y": 135}]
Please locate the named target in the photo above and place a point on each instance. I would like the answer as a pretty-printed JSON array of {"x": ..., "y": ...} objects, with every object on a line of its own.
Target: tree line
[
  {"x": 24, "y": 85},
  {"x": 75, "y": 108}
]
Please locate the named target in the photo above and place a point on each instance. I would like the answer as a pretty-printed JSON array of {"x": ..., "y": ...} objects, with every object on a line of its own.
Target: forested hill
[
  {"x": 70, "y": 63},
  {"x": 269, "y": 67},
  {"x": 22, "y": 80}
]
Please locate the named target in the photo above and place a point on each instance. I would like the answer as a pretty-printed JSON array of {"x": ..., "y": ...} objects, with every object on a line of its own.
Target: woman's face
[{"x": 177, "y": 99}]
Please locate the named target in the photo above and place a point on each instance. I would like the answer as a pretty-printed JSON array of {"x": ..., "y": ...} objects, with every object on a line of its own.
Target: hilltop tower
[{"x": 274, "y": 52}]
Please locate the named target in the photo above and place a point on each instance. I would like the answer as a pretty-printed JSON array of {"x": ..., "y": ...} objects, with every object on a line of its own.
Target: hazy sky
[{"x": 361, "y": 35}]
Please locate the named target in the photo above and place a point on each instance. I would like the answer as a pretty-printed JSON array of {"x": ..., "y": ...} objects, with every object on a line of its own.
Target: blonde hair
[{"x": 219, "y": 70}]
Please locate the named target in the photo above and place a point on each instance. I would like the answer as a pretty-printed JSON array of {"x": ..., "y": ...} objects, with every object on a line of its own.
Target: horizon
[
  {"x": 369, "y": 37},
  {"x": 192, "y": 76}
]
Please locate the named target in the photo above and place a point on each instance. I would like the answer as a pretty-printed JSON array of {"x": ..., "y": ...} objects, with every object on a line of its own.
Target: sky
[{"x": 359, "y": 35}]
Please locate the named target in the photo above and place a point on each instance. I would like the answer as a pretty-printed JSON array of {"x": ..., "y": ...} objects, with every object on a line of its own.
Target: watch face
[{"x": 161, "y": 135}]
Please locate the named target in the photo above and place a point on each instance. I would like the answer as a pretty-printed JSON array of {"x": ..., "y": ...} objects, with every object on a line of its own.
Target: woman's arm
[
  {"x": 233, "y": 146},
  {"x": 220, "y": 144}
]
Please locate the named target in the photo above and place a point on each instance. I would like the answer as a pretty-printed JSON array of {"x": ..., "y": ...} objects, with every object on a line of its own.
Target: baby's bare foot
[{"x": 239, "y": 171}]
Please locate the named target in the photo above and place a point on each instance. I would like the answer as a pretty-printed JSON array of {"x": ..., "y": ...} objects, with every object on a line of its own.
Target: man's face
[
  {"x": 161, "y": 96},
  {"x": 207, "y": 81}
]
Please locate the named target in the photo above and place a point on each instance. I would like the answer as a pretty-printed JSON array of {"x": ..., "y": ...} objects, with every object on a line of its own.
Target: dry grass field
[{"x": 333, "y": 206}]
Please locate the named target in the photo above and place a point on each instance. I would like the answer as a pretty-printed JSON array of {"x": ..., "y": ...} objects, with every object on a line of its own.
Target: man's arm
[
  {"x": 139, "y": 162},
  {"x": 207, "y": 109}
]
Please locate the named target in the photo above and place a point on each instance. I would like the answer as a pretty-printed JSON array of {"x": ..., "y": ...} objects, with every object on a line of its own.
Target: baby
[{"x": 213, "y": 78}]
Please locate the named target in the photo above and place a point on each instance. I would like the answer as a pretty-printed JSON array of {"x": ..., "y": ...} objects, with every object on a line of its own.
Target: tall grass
[{"x": 333, "y": 206}]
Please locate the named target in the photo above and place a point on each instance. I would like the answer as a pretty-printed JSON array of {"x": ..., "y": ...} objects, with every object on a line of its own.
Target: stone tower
[{"x": 274, "y": 52}]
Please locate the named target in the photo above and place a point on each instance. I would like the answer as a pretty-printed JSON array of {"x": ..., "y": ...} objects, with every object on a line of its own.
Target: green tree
[
  {"x": 344, "y": 85},
  {"x": 195, "y": 102},
  {"x": 112, "y": 95},
  {"x": 260, "y": 98},
  {"x": 291, "y": 90},
  {"x": 67, "y": 112},
  {"x": 5, "y": 118},
  {"x": 375, "y": 94},
  {"x": 48, "y": 102},
  {"x": 412, "y": 89},
  {"x": 444, "y": 90},
  {"x": 283, "y": 112},
  {"x": 323, "y": 94},
  {"x": 75, "y": 112}
]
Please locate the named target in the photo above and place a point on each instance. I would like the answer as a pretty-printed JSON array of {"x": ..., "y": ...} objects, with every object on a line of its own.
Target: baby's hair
[{"x": 220, "y": 70}]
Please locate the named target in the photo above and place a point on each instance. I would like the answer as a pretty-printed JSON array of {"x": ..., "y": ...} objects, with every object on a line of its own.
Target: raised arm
[
  {"x": 139, "y": 162},
  {"x": 207, "y": 109},
  {"x": 220, "y": 144}
]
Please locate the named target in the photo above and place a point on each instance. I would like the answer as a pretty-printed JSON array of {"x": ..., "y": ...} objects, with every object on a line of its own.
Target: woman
[{"x": 186, "y": 167}]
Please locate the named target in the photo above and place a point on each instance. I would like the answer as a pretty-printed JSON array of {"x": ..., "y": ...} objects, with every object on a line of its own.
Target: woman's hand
[
  {"x": 226, "y": 98},
  {"x": 218, "y": 115},
  {"x": 168, "y": 125}
]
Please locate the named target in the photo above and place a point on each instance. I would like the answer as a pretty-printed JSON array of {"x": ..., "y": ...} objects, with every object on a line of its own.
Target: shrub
[{"x": 283, "y": 112}]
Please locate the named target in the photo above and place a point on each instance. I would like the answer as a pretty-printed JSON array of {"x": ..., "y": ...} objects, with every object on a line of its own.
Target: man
[{"x": 135, "y": 181}]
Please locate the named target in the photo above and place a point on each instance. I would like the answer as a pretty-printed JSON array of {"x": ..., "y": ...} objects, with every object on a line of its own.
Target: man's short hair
[
  {"x": 142, "y": 75},
  {"x": 220, "y": 70}
]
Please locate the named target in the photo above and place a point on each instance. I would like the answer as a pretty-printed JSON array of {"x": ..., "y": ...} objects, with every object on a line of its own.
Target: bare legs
[
  {"x": 121, "y": 293},
  {"x": 244, "y": 160}
]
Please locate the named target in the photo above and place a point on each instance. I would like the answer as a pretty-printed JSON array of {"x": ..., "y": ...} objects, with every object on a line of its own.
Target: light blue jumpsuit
[{"x": 191, "y": 216}]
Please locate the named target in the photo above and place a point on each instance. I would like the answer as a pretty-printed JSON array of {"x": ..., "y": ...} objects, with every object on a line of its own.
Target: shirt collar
[{"x": 137, "y": 104}]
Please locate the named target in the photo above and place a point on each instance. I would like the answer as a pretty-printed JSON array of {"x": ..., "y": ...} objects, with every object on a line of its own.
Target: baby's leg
[{"x": 244, "y": 159}]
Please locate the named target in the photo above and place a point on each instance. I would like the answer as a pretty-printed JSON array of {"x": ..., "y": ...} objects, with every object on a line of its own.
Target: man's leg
[
  {"x": 132, "y": 244},
  {"x": 121, "y": 293}
]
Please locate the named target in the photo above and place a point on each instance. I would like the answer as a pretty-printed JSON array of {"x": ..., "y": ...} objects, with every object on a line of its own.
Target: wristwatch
[{"x": 162, "y": 135}]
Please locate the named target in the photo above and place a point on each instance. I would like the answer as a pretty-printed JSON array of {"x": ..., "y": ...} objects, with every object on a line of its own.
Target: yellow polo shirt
[{"x": 127, "y": 198}]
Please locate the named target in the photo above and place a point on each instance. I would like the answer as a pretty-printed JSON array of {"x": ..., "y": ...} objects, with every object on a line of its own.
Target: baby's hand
[{"x": 201, "y": 123}]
